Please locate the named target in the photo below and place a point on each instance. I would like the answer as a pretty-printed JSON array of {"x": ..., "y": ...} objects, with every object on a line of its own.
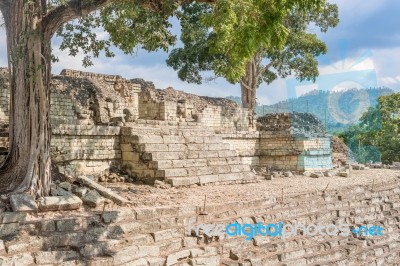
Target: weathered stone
[
  {"x": 55, "y": 257},
  {"x": 65, "y": 185},
  {"x": 12, "y": 217},
  {"x": 118, "y": 216},
  {"x": 93, "y": 199},
  {"x": 288, "y": 174},
  {"x": 79, "y": 191},
  {"x": 9, "y": 229},
  {"x": 175, "y": 257},
  {"x": 156, "y": 261},
  {"x": 213, "y": 260},
  {"x": 316, "y": 175},
  {"x": 25, "y": 245},
  {"x": 21, "y": 259},
  {"x": 105, "y": 192},
  {"x": 58, "y": 191},
  {"x": 60, "y": 203},
  {"x": 125, "y": 255},
  {"x": 23, "y": 203},
  {"x": 70, "y": 224}
]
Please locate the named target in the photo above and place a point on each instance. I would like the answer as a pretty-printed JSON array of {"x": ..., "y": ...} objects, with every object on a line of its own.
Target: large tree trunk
[
  {"x": 27, "y": 167},
  {"x": 249, "y": 84}
]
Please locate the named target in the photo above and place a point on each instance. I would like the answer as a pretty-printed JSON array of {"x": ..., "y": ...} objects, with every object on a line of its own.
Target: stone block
[
  {"x": 130, "y": 156},
  {"x": 79, "y": 191},
  {"x": 194, "y": 140},
  {"x": 151, "y": 139},
  {"x": 183, "y": 181},
  {"x": 172, "y": 245},
  {"x": 20, "y": 259},
  {"x": 196, "y": 171},
  {"x": 176, "y": 257},
  {"x": 177, "y": 147},
  {"x": 12, "y": 217},
  {"x": 344, "y": 174},
  {"x": 93, "y": 199},
  {"x": 152, "y": 147},
  {"x": 72, "y": 224},
  {"x": 316, "y": 175},
  {"x": 229, "y": 177},
  {"x": 58, "y": 191},
  {"x": 212, "y": 260},
  {"x": 9, "y": 229},
  {"x": 212, "y": 139},
  {"x": 105, "y": 192},
  {"x": 174, "y": 140},
  {"x": 181, "y": 172},
  {"x": 165, "y": 235},
  {"x": 205, "y": 179},
  {"x": 126, "y": 255},
  {"x": 118, "y": 216},
  {"x": 55, "y": 257},
  {"x": 47, "y": 226},
  {"x": 60, "y": 203},
  {"x": 27, "y": 244},
  {"x": 156, "y": 261},
  {"x": 23, "y": 203},
  {"x": 208, "y": 154},
  {"x": 196, "y": 147}
]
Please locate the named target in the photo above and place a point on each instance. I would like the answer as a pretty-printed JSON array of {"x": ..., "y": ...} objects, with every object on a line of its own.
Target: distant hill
[{"x": 337, "y": 110}]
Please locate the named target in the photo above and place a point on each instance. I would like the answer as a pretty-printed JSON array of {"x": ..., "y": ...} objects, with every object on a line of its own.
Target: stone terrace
[{"x": 157, "y": 235}]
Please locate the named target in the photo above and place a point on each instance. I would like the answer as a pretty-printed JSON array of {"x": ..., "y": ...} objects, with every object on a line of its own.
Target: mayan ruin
[
  {"x": 136, "y": 165},
  {"x": 199, "y": 133}
]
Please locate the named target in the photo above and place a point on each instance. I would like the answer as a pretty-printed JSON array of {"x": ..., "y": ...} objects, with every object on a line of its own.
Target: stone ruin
[
  {"x": 103, "y": 124},
  {"x": 105, "y": 121}
]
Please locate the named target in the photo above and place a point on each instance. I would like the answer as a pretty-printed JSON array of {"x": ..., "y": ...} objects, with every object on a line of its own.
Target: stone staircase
[
  {"x": 192, "y": 157},
  {"x": 157, "y": 236}
]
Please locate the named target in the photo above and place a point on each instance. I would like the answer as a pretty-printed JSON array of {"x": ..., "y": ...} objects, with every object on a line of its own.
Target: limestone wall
[
  {"x": 88, "y": 150},
  {"x": 247, "y": 145}
]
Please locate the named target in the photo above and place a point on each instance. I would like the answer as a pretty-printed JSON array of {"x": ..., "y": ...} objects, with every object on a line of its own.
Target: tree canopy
[{"x": 249, "y": 54}]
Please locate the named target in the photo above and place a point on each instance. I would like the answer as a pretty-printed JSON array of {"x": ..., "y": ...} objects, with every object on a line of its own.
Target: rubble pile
[
  {"x": 304, "y": 124},
  {"x": 198, "y": 102}
]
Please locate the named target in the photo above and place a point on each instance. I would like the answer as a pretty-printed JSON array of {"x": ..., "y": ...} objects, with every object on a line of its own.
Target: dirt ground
[{"x": 142, "y": 195}]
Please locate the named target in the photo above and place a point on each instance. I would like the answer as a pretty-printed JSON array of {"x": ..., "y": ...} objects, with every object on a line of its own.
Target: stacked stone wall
[{"x": 159, "y": 235}]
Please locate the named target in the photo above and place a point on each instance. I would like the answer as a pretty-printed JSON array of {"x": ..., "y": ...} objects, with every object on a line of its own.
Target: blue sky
[{"x": 366, "y": 40}]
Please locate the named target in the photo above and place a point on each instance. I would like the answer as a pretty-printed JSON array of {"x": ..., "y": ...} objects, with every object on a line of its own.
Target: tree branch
[
  {"x": 60, "y": 15},
  {"x": 4, "y": 9},
  {"x": 246, "y": 86}
]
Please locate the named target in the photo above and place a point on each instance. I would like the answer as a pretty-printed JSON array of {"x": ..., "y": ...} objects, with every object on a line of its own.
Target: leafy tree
[
  {"x": 290, "y": 49},
  {"x": 377, "y": 136},
  {"x": 240, "y": 27}
]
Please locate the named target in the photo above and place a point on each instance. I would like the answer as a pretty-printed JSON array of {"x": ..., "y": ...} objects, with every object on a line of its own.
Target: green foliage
[
  {"x": 128, "y": 26},
  {"x": 377, "y": 136},
  {"x": 224, "y": 38},
  {"x": 221, "y": 35}
]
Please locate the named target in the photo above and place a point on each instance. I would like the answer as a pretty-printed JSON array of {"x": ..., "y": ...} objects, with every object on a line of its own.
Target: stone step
[
  {"x": 197, "y": 162},
  {"x": 332, "y": 254},
  {"x": 181, "y": 147},
  {"x": 227, "y": 178},
  {"x": 166, "y": 155}
]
